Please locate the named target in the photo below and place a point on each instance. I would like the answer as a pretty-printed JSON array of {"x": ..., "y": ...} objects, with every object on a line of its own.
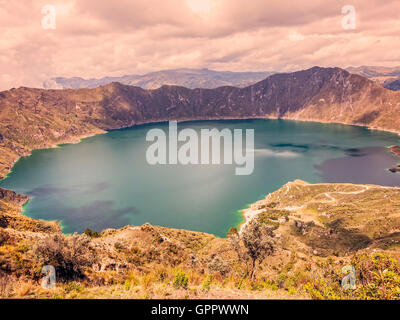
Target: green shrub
[
  {"x": 73, "y": 287},
  {"x": 127, "y": 285},
  {"x": 240, "y": 283},
  {"x": 181, "y": 280},
  {"x": 162, "y": 275},
  {"x": 93, "y": 234},
  {"x": 271, "y": 285},
  {"x": 281, "y": 280},
  {"x": 292, "y": 291},
  {"x": 206, "y": 286},
  {"x": 256, "y": 286},
  {"x": 218, "y": 264}
]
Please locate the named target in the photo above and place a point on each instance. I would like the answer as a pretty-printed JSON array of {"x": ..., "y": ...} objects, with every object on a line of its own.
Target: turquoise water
[{"x": 105, "y": 181}]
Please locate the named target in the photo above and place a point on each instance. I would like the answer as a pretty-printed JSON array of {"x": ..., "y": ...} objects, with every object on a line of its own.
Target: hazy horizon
[
  {"x": 223, "y": 70},
  {"x": 96, "y": 39}
]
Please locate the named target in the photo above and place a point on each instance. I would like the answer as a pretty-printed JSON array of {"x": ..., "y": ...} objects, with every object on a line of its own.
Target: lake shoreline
[
  {"x": 78, "y": 139},
  {"x": 247, "y": 214}
]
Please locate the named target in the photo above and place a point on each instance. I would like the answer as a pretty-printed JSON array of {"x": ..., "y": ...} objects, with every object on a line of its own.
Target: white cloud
[{"x": 96, "y": 38}]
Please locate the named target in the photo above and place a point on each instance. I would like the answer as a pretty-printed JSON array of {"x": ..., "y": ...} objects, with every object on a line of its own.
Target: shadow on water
[
  {"x": 88, "y": 216},
  {"x": 361, "y": 166},
  {"x": 52, "y": 189}
]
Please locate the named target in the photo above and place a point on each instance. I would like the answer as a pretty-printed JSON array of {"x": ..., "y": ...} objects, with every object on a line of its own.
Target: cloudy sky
[{"x": 97, "y": 38}]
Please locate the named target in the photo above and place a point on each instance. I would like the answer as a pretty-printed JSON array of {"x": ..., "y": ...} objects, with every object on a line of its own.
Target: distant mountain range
[
  {"x": 189, "y": 78},
  {"x": 37, "y": 118},
  {"x": 388, "y": 77},
  {"x": 209, "y": 79}
]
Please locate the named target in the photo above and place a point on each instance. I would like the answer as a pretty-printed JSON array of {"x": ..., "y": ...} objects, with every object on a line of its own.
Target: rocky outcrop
[
  {"x": 11, "y": 218},
  {"x": 13, "y": 197},
  {"x": 392, "y": 85}
]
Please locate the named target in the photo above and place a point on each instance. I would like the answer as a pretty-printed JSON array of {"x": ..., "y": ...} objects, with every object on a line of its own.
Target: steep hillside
[{"x": 37, "y": 118}]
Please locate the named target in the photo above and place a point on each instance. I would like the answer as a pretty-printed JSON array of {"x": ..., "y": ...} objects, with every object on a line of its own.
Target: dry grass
[{"x": 316, "y": 226}]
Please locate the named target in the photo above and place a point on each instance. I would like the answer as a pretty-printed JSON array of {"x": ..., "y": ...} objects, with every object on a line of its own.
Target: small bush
[
  {"x": 206, "y": 286},
  {"x": 271, "y": 285},
  {"x": 162, "y": 275},
  {"x": 217, "y": 264},
  {"x": 292, "y": 291},
  {"x": 119, "y": 246},
  {"x": 240, "y": 283},
  {"x": 92, "y": 234},
  {"x": 181, "y": 280},
  {"x": 68, "y": 255},
  {"x": 127, "y": 285},
  {"x": 282, "y": 279},
  {"x": 73, "y": 287}
]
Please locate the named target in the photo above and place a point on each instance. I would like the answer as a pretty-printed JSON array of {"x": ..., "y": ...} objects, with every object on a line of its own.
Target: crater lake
[{"x": 105, "y": 181}]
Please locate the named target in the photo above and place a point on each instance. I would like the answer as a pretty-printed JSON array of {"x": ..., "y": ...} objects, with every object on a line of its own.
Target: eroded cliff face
[{"x": 37, "y": 118}]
